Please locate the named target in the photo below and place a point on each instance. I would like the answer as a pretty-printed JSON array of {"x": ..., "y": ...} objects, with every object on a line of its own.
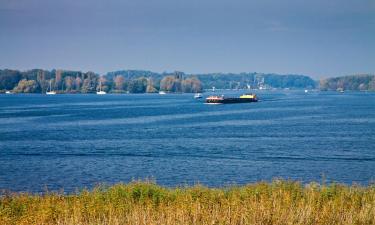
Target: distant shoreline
[{"x": 217, "y": 91}]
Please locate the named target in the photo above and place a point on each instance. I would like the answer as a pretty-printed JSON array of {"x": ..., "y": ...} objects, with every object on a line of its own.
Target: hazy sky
[{"x": 318, "y": 38}]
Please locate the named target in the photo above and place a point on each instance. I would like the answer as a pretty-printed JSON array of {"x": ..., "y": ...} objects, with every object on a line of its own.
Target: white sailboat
[
  {"x": 50, "y": 92},
  {"x": 100, "y": 92}
]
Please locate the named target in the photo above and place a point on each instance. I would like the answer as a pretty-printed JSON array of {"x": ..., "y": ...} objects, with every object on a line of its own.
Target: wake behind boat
[{"x": 245, "y": 98}]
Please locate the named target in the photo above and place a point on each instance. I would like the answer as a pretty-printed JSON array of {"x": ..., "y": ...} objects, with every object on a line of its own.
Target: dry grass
[{"x": 279, "y": 202}]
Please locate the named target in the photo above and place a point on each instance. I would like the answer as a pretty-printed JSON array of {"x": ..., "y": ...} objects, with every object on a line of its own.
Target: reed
[{"x": 277, "y": 202}]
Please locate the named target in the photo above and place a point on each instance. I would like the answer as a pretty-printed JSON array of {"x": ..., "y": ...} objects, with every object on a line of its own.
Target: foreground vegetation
[{"x": 279, "y": 202}]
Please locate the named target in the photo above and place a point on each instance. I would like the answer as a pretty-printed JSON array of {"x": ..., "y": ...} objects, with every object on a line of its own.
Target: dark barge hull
[{"x": 230, "y": 100}]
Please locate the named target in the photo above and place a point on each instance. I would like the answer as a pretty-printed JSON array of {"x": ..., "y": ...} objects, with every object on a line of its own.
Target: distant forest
[
  {"x": 232, "y": 80},
  {"x": 362, "y": 82},
  {"x": 140, "y": 81},
  {"x": 63, "y": 81}
]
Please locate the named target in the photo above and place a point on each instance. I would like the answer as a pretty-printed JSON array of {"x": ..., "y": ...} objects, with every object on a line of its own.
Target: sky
[{"x": 318, "y": 38}]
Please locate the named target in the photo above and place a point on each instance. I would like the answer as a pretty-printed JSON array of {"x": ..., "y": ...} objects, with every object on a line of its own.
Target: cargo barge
[{"x": 246, "y": 98}]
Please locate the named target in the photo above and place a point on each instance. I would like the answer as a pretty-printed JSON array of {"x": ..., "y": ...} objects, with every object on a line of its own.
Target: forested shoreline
[
  {"x": 141, "y": 81},
  {"x": 360, "y": 82},
  {"x": 64, "y": 81}
]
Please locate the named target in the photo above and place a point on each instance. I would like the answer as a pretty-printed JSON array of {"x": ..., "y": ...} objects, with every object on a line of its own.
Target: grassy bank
[{"x": 279, "y": 202}]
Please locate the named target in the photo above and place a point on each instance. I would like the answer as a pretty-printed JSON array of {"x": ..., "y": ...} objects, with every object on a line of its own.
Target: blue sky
[{"x": 317, "y": 38}]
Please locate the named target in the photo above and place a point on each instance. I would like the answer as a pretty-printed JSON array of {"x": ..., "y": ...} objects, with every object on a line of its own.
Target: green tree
[
  {"x": 58, "y": 79},
  {"x": 41, "y": 80},
  {"x": 89, "y": 83},
  {"x": 138, "y": 85},
  {"x": 9, "y": 79}
]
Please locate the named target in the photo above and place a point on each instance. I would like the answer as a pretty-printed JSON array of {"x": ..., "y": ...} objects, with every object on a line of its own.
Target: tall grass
[{"x": 278, "y": 202}]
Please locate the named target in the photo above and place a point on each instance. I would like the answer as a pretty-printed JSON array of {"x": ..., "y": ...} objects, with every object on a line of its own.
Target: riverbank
[{"x": 279, "y": 202}]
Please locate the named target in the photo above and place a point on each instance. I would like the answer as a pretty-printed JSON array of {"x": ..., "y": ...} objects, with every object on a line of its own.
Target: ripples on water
[{"x": 76, "y": 141}]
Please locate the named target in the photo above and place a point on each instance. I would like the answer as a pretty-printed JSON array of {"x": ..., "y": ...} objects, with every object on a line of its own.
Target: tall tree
[
  {"x": 9, "y": 79},
  {"x": 69, "y": 83},
  {"x": 138, "y": 85},
  {"x": 78, "y": 83},
  {"x": 58, "y": 79},
  {"x": 170, "y": 84},
  {"x": 41, "y": 81},
  {"x": 119, "y": 82},
  {"x": 150, "y": 86},
  {"x": 26, "y": 86},
  {"x": 102, "y": 81}
]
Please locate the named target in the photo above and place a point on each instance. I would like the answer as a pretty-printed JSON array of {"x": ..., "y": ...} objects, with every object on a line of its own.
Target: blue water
[{"x": 74, "y": 141}]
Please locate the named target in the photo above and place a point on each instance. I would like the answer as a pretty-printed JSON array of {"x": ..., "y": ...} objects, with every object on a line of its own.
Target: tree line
[
  {"x": 140, "y": 81},
  {"x": 361, "y": 82},
  {"x": 235, "y": 80},
  {"x": 64, "y": 81}
]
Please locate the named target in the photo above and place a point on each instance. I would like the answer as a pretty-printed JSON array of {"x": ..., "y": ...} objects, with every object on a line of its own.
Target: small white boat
[
  {"x": 8, "y": 92},
  {"x": 50, "y": 92},
  {"x": 100, "y": 92},
  {"x": 162, "y": 93},
  {"x": 306, "y": 91},
  {"x": 341, "y": 90},
  {"x": 198, "y": 95}
]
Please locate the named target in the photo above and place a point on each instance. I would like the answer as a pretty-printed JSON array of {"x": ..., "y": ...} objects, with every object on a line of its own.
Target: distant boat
[
  {"x": 213, "y": 89},
  {"x": 245, "y": 98},
  {"x": 100, "y": 92},
  {"x": 198, "y": 95},
  {"x": 306, "y": 91},
  {"x": 341, "y": 90},
  {"x": 162, "y": 93},
  {"x": 50, "y": 92},
  {"x": 8, "y": 92}
]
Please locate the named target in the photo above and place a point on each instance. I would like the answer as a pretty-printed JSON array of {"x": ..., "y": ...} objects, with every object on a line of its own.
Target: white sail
[
  {"x": 100, "y": 92},
  {"x": 50, "y": 92}
]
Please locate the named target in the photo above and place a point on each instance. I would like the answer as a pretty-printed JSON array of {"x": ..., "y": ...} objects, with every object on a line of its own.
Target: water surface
[{"x": 74, "y": 141}]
